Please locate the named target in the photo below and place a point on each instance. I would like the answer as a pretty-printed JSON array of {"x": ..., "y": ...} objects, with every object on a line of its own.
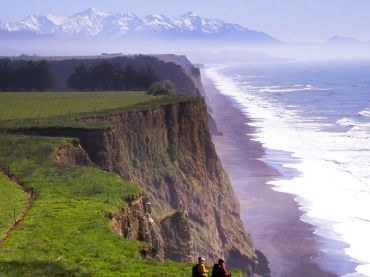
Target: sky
[{"x": 287, "y": 20}]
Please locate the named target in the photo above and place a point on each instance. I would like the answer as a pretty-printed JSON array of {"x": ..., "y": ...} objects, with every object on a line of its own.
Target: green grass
[
  {"x": 22, "y": 110},
  {"x": 12, "y": 199},
  {"x": 28, "y": 105},
  {"x": 67, "y": 231}
]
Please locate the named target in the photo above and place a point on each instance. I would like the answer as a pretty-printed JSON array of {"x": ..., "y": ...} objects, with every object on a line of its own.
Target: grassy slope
[
  {"x": 67, "y": 231},
  {"x": 12, "y": 198}
]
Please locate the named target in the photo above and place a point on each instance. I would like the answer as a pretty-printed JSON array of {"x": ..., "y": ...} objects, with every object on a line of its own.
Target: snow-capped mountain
[{"x": 93, "y": 23}]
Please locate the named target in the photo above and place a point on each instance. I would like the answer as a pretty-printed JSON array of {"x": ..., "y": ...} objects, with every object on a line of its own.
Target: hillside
[{"x": 143, "y": 178}]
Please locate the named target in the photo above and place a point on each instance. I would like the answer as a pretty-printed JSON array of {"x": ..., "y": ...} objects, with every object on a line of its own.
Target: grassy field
[
  {"x": 12, "y": 199},
  {"x": 28, "y": 105},
  {"x": 20, "y": 110}
]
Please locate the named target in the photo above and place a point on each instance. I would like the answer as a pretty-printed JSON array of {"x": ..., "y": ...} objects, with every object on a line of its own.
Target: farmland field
[
  {"x": 22, "y": 110},
  {"x": 27, "y": 105}
]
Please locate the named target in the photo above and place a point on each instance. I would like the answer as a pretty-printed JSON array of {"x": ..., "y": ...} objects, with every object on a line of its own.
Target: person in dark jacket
[{"x": 219, "y": 269}]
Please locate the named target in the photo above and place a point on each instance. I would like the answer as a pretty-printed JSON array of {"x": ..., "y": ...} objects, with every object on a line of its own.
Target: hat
[{"x": 201, "y": 259}]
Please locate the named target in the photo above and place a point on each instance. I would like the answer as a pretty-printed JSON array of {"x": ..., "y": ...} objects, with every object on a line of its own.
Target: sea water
[{"x": 318, "y": 114}]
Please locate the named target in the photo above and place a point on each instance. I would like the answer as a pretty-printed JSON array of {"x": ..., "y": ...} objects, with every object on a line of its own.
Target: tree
[
  {"x": 80, "y": 78},
  {"x": 130, "y": 77},
  {"x": 5, "y": 75},
  {"x": 107, "y": 76},
  {"x": 162, "y": 88},
  {"x": 169, "y": 87},
  {"x": 148, "y": 77},
  {"x": 42, "y": 76},
  {"x": 32, "y": 76},
  {"x": 24, "y": 77}
]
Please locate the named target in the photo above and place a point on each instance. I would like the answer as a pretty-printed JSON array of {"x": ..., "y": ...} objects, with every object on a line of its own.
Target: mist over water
[
  {"x": 199, "y": 50},
  {"x": 319, "y": 114}
]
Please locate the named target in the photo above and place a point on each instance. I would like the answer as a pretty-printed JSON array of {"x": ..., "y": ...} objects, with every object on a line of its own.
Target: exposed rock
[
  {"x": 73, "y": 154},
  {"x": 262, "y": 265},
  {"x": 135, "y": 223},
  {"x": 212, "y": 126},
  {"x": 176, "y": 230}
]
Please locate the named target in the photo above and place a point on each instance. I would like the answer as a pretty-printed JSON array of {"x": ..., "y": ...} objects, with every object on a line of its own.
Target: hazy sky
[{"x": 288, "y": 20}]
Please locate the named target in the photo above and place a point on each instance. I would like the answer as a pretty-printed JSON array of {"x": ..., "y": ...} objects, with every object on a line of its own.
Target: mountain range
[{"x": 93, "y": 23}]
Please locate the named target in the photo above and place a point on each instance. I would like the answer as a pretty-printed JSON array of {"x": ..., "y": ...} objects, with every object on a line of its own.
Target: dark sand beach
[{"x": 272, "y": 218}]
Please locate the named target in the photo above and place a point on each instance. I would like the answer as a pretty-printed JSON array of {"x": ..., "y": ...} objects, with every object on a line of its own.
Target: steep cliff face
[
  {"x": 188, "y": 208},
  {"x": 169, "y": 152}
]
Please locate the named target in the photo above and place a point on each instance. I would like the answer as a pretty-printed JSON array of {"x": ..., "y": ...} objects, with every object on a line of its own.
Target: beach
[{"x": 272, "y": 218}]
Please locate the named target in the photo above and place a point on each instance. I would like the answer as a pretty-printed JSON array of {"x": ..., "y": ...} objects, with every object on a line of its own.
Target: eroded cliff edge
[
  {"x": 188, "y": 207},
  {"x": 168, "y": 151}
]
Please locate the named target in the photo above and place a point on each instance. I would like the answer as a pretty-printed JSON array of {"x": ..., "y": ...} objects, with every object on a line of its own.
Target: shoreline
[{"x": 272, "y": 218}]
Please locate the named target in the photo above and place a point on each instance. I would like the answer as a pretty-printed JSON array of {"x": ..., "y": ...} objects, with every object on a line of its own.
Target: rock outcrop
[
  {"x": 176, "y": 229},
  {"x": 73, "y": 154},
  {"x": 134, "y": 222}
]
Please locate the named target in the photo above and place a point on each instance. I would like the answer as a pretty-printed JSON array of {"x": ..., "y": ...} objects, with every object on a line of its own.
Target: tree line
[
  {"x": 25, "y": 75},
  {"x": 107, "y": 75},
  {"x": 110, "y": 76}
]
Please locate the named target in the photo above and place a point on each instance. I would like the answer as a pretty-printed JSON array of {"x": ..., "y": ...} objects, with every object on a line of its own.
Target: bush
[{"x": 162, "y": 88}]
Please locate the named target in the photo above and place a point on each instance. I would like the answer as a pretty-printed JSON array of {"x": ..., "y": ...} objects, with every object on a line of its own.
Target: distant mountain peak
[
  {"x": 342, "y": 40},
  {"x": 90, "y": 12}
]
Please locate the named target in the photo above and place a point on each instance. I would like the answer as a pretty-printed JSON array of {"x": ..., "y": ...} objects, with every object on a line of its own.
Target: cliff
[
  {"x": 188, "y": 207},
  {"x": 169, "y": 152},
  {"x": 189, "y": 69},
  {"x": 194, "y": 74}
]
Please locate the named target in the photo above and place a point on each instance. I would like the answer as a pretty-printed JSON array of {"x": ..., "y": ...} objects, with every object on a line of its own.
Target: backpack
[
  {"x": 195, "y": 272},
  {"x": 216, "y": 271}
]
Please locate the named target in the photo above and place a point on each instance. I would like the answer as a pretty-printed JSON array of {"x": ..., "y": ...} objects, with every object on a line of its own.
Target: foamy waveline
[
  {"x": 294, "y": 88},
  {"x": 334, "y": 186},
  {"x": 365, "y": 112}
]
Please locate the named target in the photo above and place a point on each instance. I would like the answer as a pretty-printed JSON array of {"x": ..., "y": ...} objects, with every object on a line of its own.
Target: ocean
[{"x": 313, "y": 119}]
